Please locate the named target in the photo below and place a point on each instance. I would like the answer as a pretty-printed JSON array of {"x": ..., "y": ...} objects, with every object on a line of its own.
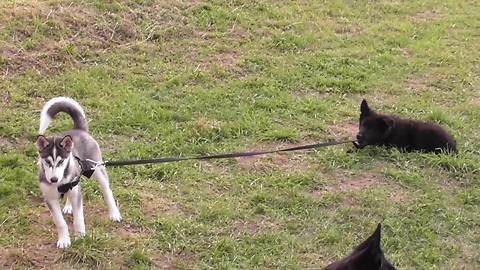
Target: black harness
[{"x": 62, "y": 189}]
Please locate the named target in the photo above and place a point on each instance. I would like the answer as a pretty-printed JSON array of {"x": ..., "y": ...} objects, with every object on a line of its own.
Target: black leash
[
  {"x": 88, "y": 166},
  {"x": 93, "y": 164},
  {"x": 218, "y": 156}
]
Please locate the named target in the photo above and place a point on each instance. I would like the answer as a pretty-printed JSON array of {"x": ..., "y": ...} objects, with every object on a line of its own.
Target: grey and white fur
[{"x": 57, "y": 166}]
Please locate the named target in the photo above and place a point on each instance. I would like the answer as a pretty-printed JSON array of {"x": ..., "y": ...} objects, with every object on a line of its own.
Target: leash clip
[{"x": 95, "y": 163}]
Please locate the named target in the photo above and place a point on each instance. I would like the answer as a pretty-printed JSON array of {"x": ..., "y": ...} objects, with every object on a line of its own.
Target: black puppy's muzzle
[{"x": 359, "y": 137}]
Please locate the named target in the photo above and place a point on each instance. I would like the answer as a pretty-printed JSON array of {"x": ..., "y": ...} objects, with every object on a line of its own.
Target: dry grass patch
[
  {"x": 163, "y": 262},
  {"x": 42, "y": 255},
  {"x": 153, "y": 205},
  {"x": 425, "y": 16},
  {"x": 228, "y": 60},
  {"x": 131, "y": 231},
  {"x": 5, "y": 143},
  {"x": 254, "y": 226},
  {"x": 468, "y": 255},
  {"x": 49, "y": 35},
  {"x": 346, "y": 130},
  {"x": 399, "y": 195},
  {"x": 284, "y": 161},
  {"x": 348, "y": 184},
  {"x": 347, "y": 30}
]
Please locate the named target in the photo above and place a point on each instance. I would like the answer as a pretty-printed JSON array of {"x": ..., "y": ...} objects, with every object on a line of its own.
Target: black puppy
[
  {"x": 384, "y": 130},
  {"x": 367, "y": 256}
]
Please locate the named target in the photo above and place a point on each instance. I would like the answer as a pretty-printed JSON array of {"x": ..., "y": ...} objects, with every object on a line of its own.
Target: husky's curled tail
[{"x": 62, "y": 104}]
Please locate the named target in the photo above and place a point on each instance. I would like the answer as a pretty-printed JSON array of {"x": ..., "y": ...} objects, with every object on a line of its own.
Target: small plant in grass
[
  {"x": 138, "y": 259},
  {"x": 87, "y": 252}
]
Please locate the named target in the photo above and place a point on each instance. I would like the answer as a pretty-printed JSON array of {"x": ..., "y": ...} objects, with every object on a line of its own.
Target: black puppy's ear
[
  {"x": 377, "y": 235},
  {"x": 373, "y": 247},
  {"x": 373, "y": 241},
  {"x": 67, "y": 143},
  {"x": 42, "y": 143},
  {"x": 364, "y": 109}
]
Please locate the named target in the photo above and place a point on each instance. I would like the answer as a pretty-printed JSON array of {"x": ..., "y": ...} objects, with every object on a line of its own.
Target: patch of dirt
[
  {"x": 253, "y": 226},
  {"x": 5, "y": 143},
  {"x": 406, "y": 52},
  {"x": 131, "y": 231},
  {"x": 418, "y": 84},
  {"x": 37, "y": 201},
  {"x": 347, "y": 130},
  {"x": 163, "y": 262},
  {"x": 347, "y": 31},
  {"x": 425, "y": 16},
  {"x": 449, "y": 183},
  {"x": 154, "y": 205},
  {"x": 41, "y": 255},
  {"x": 203, "y": 126},
  {"x": 468, "y": 253},
  {"x": 290, "y": 161},
  {"x": 400, "y": 196},
  {"x": 228, "y": 59},
  {"x": 348, "y": 184},
  {"x": 434, "y": 81},
  {"x": 6, "y": 97},
  {"x": 311, "y": 95}
]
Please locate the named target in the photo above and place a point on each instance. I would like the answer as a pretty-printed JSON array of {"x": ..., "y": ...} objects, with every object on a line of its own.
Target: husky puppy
[
  {"x": 59, "y": 168},
  {"x": 406, "y": 134},
  {"x": 366, "y": 256}
]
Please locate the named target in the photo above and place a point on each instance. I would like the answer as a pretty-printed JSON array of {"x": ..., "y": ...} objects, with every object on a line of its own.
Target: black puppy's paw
[{"x": 357, "y": 145}]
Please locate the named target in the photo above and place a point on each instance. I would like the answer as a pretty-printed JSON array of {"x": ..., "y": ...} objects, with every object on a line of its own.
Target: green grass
[{"x": 166, "y": 79}]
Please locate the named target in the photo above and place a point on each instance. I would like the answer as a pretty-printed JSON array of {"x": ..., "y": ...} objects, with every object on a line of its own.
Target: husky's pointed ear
[
  {"x": 364, "y": 109},
  {"x": 67, "y": 143},
  {"x": 42, "y": 143}
]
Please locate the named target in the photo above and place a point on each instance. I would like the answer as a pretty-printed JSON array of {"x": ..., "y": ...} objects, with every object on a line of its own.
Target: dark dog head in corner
[
  {"x": 366, "y": 256},
  {"x": 373, "y": 127}
]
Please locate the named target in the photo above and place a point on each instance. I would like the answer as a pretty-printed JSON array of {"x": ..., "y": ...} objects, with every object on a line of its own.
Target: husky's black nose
[{"x": 54, "y": 179}]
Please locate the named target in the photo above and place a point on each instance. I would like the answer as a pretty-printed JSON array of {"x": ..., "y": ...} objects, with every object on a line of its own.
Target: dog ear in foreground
[{"x": 366, "y": 256}]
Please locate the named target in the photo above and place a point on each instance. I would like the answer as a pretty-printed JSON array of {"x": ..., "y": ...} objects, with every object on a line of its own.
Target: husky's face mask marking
[{"x": 55, "y": 156}]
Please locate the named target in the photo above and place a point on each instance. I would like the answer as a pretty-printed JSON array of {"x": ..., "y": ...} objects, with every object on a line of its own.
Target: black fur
[
  {"x": 406, "y": 134},
  {"x": 366, "y": 256}
]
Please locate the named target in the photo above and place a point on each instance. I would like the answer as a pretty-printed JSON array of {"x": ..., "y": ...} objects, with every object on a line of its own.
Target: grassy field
[{"x": 158, "y": 78}]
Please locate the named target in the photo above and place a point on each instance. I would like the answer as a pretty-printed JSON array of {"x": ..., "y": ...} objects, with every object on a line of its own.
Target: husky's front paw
[
  {"x": 80, "y": 231},
  {"x": 63, "y": 242},
  {"x": 115, "y": 216},
  {"x": 67, "y": 209}
]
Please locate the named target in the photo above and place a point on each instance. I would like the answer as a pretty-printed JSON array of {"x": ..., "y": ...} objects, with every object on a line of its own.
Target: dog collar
[{"x": 62, "y": 189}]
